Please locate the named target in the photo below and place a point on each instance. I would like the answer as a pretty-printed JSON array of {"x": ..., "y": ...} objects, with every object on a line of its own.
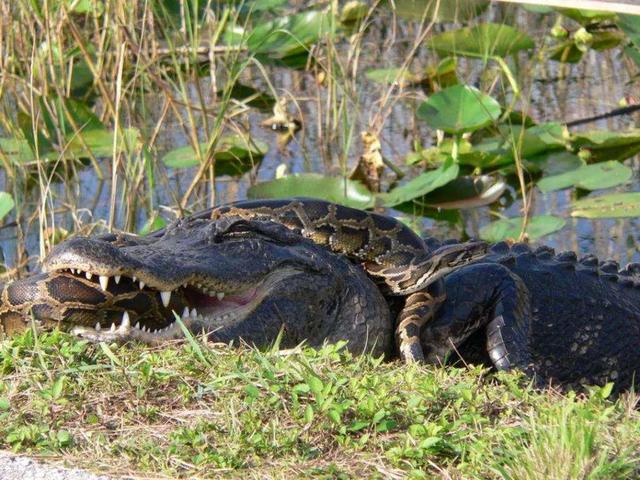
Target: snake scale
[{"x": 388, "y": 250}]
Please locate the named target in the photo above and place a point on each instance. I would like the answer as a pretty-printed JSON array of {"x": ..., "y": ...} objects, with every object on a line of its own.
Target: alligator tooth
[
  {"x": 185, "y": 312},
  {"x": 144, "y": 329},
  {"x": 220, "y": 295},
  {"x": 134, "y": 279},
  {"x": 166, "y": 297},
  {"x": 126, "y": 321},
  {"x": 98, "y": 327},
  {"x": 194, "y": 313},
  {"x": 104, "y": 282},
  {"x": 113, "y": 327},
  {"x": 137, "y": 326},
  {"x": 117, "y": 279},
  {"x": 88, "y": 275},
  {"x": 141, "y": 284}
]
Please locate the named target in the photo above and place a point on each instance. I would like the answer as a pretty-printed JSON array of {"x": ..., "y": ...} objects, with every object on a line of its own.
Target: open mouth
[{"x": 125, "y": 307}]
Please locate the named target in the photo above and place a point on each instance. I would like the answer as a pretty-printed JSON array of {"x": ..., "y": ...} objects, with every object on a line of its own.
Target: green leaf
[
  {"x": 354, "y": 11},
  {"x": 334, "y": 189},
  {"x": 155, "y": 222},
  {"x": 422, "y": 184},
  {"x": 6, "y": 204},
  {"x": 588, "y": 177},
  {"x": 630, "y": 25},
  {"x": 252, "y": 391},
  {"x": 465, "y": 192},
  {"x": 387, "y": 76},
  {"x": 608, "y": 145},
  {"x": 566, "y": 52},
  {"x": 64, "y": 438},
  {"x": 448, "y": 11},
  {"x": 606, "y": 40},
  {"x": 286, "y": 36},
  {"x": 234, "y": 154},
  {"x": 529, "y": 143},
  {"x": 315, "y": 385},
  {"x": 308, "y": 414},
  {"x": 481, "y": 41},
  {"x": 510, "y": 228},
  {"x": 459, "y": 109},
  {"x": 608, "y": 206},
  {"x": 57, "y": 387},
  {"x": 586, "y": 17},
  {"x": 100, "y": 142},
  {"x": 94, "y": 7},
  {"x": 69, "y": 112},
  {"x": 555, "y": 162},
  {"x": 40, "y": 145},
  {"x": 19, "y": 152}
]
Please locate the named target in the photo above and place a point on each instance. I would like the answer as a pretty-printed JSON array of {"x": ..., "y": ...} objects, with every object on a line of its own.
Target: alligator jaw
[{"x": 205, "y": 310}]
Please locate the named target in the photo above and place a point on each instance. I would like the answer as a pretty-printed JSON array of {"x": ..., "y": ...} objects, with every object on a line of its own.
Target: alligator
[{"x": 309, "y": 270}]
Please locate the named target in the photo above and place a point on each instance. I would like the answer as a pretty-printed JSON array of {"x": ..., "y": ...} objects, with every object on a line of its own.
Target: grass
[{"x": 207, "y": 411}]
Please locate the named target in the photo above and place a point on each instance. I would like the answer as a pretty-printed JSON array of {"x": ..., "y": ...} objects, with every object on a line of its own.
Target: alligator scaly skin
[
  {"x": 256, "y": 275},
  {"x": 563, "y": 320}
]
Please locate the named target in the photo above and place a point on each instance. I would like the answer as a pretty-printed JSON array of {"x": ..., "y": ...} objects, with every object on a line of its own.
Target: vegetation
[
  {"x": 210, "y": 411},
  {"x": 126, "y": 115}
]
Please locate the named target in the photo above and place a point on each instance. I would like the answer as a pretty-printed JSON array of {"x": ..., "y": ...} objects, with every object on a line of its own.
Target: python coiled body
[{"x": 389, "y": 251}]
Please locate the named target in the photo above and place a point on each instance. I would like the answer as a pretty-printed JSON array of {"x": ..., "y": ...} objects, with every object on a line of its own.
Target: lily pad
[
  {"x": 459, "y": 109},
  {"x": 481, "y": 41},
  {"x": 235, "y": 155},
  {"x": 586, "y": 17},
  {"x": 100, "y": 142},
  {"x": 289, "y": 35},
  {"x": 530, "y": 142},
  {"x": 448, "y": 11},
  {"x": 555, "y": 162},
  {"x": 588, "y": 177},
  {"x": 466, "y": 192},
  {"x": 608, "y": 145},
  {"x": 334, "y": 189},
  {"x": 630, "y": 25},
  {"x": 424, "y": 183},
  {"x": 19, "y": 152},
  {"x": 537, "y": 226},
  {"x": 608, "y": 206},
  {"x": 6, "y": 204}
]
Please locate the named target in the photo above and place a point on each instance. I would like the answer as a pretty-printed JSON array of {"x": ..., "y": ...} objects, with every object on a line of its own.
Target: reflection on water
[{"x": 551, "y": 91}]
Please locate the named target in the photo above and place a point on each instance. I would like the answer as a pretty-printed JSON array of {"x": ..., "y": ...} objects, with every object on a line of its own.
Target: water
[{"x": 551, "y": 92}]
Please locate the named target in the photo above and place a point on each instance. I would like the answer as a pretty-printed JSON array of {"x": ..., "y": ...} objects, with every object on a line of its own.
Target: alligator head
[{"x": 233, "y": 278}]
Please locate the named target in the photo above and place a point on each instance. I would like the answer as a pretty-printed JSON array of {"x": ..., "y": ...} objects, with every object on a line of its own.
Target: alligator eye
[{"x": 231, "y": 229}]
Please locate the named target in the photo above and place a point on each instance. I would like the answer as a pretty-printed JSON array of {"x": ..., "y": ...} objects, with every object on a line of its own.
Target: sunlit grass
[{"x": 204, "y": 410}]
